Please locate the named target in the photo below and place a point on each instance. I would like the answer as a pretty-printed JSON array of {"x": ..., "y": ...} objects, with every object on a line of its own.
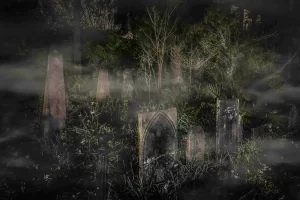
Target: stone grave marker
[
  {"x": 195, "y": 146},
  {"x": 157, "y": 142},
  {"x": 54, "y": 106},
  {"x": 260, "y": 131},
  {"x": 103, "y": 85},
  {"x": 228, "y": 126},
  {"x": 127, "y": 88}
]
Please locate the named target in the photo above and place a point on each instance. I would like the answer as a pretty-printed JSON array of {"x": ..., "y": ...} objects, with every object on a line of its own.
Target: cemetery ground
[
  {"x": 119, "y": 130},
  {"x": 69, "y": 166}
]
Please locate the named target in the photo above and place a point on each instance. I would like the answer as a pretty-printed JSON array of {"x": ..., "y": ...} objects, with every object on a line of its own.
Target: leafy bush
[{"x": 251, "y": 169}]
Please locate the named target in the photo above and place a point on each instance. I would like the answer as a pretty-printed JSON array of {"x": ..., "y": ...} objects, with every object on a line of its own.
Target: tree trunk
[
  {"x": 159, "y": 76},
  {"x": 176, "y": 64},
  {"x": 77, "y": 53}
]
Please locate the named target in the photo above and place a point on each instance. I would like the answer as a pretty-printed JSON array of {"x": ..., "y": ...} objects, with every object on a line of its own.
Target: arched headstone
[
  {"x": 157, "y": 141},
  {"x": 54, "y": 107},
  {"x": 195, "y": 147}
]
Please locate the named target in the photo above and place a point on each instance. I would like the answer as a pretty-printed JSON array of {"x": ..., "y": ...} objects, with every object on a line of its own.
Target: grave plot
[{"x": 157, "y": 142}]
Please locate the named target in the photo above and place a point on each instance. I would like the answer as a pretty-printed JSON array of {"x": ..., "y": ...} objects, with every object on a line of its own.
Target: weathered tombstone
[
  {"x": 260, "y": 131},
  {"x": 54, "y": 107},
  {"x": 293, "y": 116},
  {"x": 195, "y": 146},
  {"x": 127, "y": 91},
  {"x": 228, "y": 126},
  {"x": 157, "y": 141},
  {"x": 103, "y": 85},
  {"x": 102, "y": 188}
]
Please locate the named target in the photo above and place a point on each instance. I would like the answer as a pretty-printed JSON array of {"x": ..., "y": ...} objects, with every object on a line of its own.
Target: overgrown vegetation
[{"x": 217, "y": 60}]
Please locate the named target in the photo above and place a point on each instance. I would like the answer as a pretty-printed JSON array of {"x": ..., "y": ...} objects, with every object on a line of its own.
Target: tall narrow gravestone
[
  {"x": 195, "y": 146},
  {"x": 103, "y": 85},
  {"x": 228, "y": 126},
  {"x": 157, "y": 142},
  {"x": 54, "y": 107}
]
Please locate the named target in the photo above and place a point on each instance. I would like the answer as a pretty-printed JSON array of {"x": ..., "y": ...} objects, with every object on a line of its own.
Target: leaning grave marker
[
  {"x": 228, "y": 126},
  {"x": 54, "y": 106},
  {"x": 157, "y": 138}
]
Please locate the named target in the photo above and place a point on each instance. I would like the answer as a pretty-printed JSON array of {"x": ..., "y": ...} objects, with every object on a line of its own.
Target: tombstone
[
  {"x": 103, "y": 85},
  {"x": 195, "y": 146},
  {"x": 54, "y": 107},
  {"x": 260, "y": 131},
  {"x": 102, "y": 188},
  {"x": 293, "y": 116},
  {"x": 127, "y": 88},
  {"x": 157, "y": 142},
  {"x": 228, "y": 126}
]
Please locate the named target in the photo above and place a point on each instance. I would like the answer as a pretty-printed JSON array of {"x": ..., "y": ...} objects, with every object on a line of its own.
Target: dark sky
[
  {"x": 18, "y": 16},
  {"x": 270, "y": 7}
]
